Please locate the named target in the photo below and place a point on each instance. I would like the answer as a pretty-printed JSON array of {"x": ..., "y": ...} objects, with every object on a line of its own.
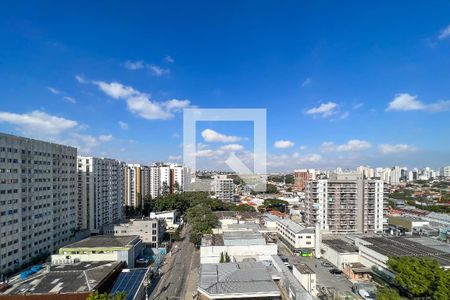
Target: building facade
[
  {"x": 100, "y": 192},
  {"x": 151, "y": 231},
  {"x": 295, "y": 235},
  {"x": 38, "y": 199},
  {"x": 132, "y": 185},
  {"x": 346, "y": 203},
  {"x": 223, "y": 187}
]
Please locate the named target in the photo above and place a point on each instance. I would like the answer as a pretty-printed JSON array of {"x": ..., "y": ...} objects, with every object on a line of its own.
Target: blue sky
[{"x": 344, "y": 84}]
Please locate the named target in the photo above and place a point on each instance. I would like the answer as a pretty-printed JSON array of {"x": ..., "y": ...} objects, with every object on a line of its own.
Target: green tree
[
  {"x": 422, "y": 277},
  {"x": 222, "y": 258},
  {"x": 147, "y": 205},
  {"x": 227, "y": 257},
  {"x": 386, "y": 293}
]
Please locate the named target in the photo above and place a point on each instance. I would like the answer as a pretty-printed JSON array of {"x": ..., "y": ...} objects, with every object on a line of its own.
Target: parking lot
[{"x": 331, "y": 282}]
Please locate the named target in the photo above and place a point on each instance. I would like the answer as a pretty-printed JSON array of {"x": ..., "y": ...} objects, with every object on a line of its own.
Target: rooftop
[
  {"x": 245, "y": 215},
  {"x": 295, "y": 227},
  {"x": 251, "y": 278},
  {"x": 397, "y": 246},
  {"x": 104, "y": 241},
  {"x": 340, "y": 246},
  {"x": 76, "y": 278},
  {"x": 130, "y": 281},
  {"x": 303, "y": 268}
]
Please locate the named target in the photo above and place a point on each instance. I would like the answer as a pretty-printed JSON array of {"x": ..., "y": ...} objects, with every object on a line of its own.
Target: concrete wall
[
  {"x": 338, "y": 259},
  {"x": 308, "y": 281}
]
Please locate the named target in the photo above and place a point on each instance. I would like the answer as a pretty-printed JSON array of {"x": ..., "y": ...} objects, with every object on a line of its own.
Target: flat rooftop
[
  {"x": 245, "y": 215},
  {"x": 397, "y": 246},
  {"x": 295, "y": 227},
  {"x": 251, "y": 278},
  {"x": 303, "y": 268},
  {"x": 59, "y": 279},
  {"x": 340, "y": 246},
  {"x": 103, "y": 241}
]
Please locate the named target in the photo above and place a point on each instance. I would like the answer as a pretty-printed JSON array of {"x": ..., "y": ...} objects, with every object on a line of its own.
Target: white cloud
[
  {"x": 105, "y": 138},
  {"x": 210, "y": 135},
  {"x": 407, "y": 102},
  {"x": 174, "y": 157},
  {"x": 306, "y": 82},
  {"x": 123, "y": 125},
  {"x": 325, "y": 109},
  {"x": 309, "y": 158},
  {"x": 445, "y": 33},
  {"x": 134, "y": 65},
  {"x": 397, "y": 148},
  {"x": 158, "y": 71},
  {"x": 80, "y": 79},
  {"x": 283, "y": 144},
  {"x": 204, "y": 153},
  {"x": 169, "y": 59},
  {"x": 232, "y": 147},
  {"x": 358, "y": 105},
  {"x": 54, "y": 91},
  {"x": 38, "y": 122},
  {"x": 140, "y": 103},
  {"x": 350, "y": 146},
  {"x": 70, "y": 99},
  {"x": 176, "y": 105},
  {"x": 116, "y": 90}
]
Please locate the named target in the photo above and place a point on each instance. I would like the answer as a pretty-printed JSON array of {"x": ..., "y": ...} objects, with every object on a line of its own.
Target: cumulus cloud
[
  {"x": 210, "y": 135},
  {"x": 123, "y": 125},
  {"x": 169, "y": 59},
  {"x": 140, "y": 103},
  {"x": 324, "y": 109},
  {"x": 408, "y": 102},
  {"x": 232, "y": 147},
  {"x": 283, "y": 144},
  {"x": 351, "y": 145},
  {"x": 38, "y": 122},
  {"x": 306, "y": 82},
  {"x": 158, "y": 71},
  {"x": 445, "y": 33},
  {"x": 397, "y": 148},
  {"x": 134, "y": 65}
]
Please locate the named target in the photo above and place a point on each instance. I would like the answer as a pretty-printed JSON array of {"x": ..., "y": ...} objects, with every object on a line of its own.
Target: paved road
[{"x": 172, "y": 284}]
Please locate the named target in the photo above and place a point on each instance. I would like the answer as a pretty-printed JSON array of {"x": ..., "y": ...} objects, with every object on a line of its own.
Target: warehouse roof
[
  {"x": 340, "y": 246},
  {"x": 104, "y": 241},
  {"x": 250, "y": 278},
  {"x": 295, "y": 227}
]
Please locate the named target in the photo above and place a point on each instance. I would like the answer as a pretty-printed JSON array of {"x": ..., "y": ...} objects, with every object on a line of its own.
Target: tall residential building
[
  {"x": 223, "y": 187},
  {"x": 395, "y": 176},
  {"x": 445, "y": 172},
  {"x": 100, "y": 192},
  {"x": 345, "y": 203},
  {"x": 38, "y": 199},
  {"x": 302, "y": 176},
  {"x": 132, "y": 185},
  {"x": 171, "y": 178}
]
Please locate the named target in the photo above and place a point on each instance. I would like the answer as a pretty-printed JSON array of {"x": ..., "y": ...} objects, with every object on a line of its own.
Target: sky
[{"x": 343, "y": 83}]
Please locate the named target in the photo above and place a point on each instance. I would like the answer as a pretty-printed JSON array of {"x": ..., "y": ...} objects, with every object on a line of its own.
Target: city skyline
[{"x": 337, "y": 95}]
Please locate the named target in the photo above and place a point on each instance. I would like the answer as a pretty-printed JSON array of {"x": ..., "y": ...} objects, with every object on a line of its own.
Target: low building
[
  {"x": 356, "y": 272},
  {"x": 306, "y": 276},
  {"x": 406, "y": 224},
  {"x": 66, "y": 282},
  {"x": 234, "y": 217},
  {"x": 374, "y": 252},
  {"x": 245, "y": 280},
  {"x": 339, "y": 252},
  {"x": 169, "y": 216},
  {"x": 296, "y": 236},
  {"x": 239, "y": 245},
  {"x": 101, "y": 248},
  {"x": 132, "y": 282},
  {"x": 151, "y": 231}
]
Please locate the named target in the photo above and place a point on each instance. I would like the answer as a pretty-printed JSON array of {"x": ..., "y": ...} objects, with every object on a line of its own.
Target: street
[{"x": 175, "y": 281}]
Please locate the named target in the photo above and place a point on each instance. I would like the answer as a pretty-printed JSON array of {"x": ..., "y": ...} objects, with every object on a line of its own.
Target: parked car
[
  {"x": 335, "y": 271},
  {"x": 326, "y": 264}
]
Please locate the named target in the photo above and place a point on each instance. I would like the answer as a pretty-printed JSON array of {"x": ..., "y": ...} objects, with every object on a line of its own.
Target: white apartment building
[
  {"x": 151, "y": 231},
  {"x": 445, "y": 172},
  {"x": 38, "y": 199},
  {"x": 295, "y": 235},
  {"x": 346, "y": 203},
  {"x": 223, "y": 187},
  {"x": 100, "y": 192},
  {"x": 132, "y": 185}
]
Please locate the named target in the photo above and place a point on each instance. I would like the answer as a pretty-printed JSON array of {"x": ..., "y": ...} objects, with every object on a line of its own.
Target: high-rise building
[
  {"x": 301, "y": 176},
  {"x": 223, "y": 187},
  {"x": 38, "y": 199},
  {"x": 132, "y": 185},
  {"x": 345, "y": 203},
  {"x": 100, "y": 192},
  {"x": 445, "y": 172}
]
